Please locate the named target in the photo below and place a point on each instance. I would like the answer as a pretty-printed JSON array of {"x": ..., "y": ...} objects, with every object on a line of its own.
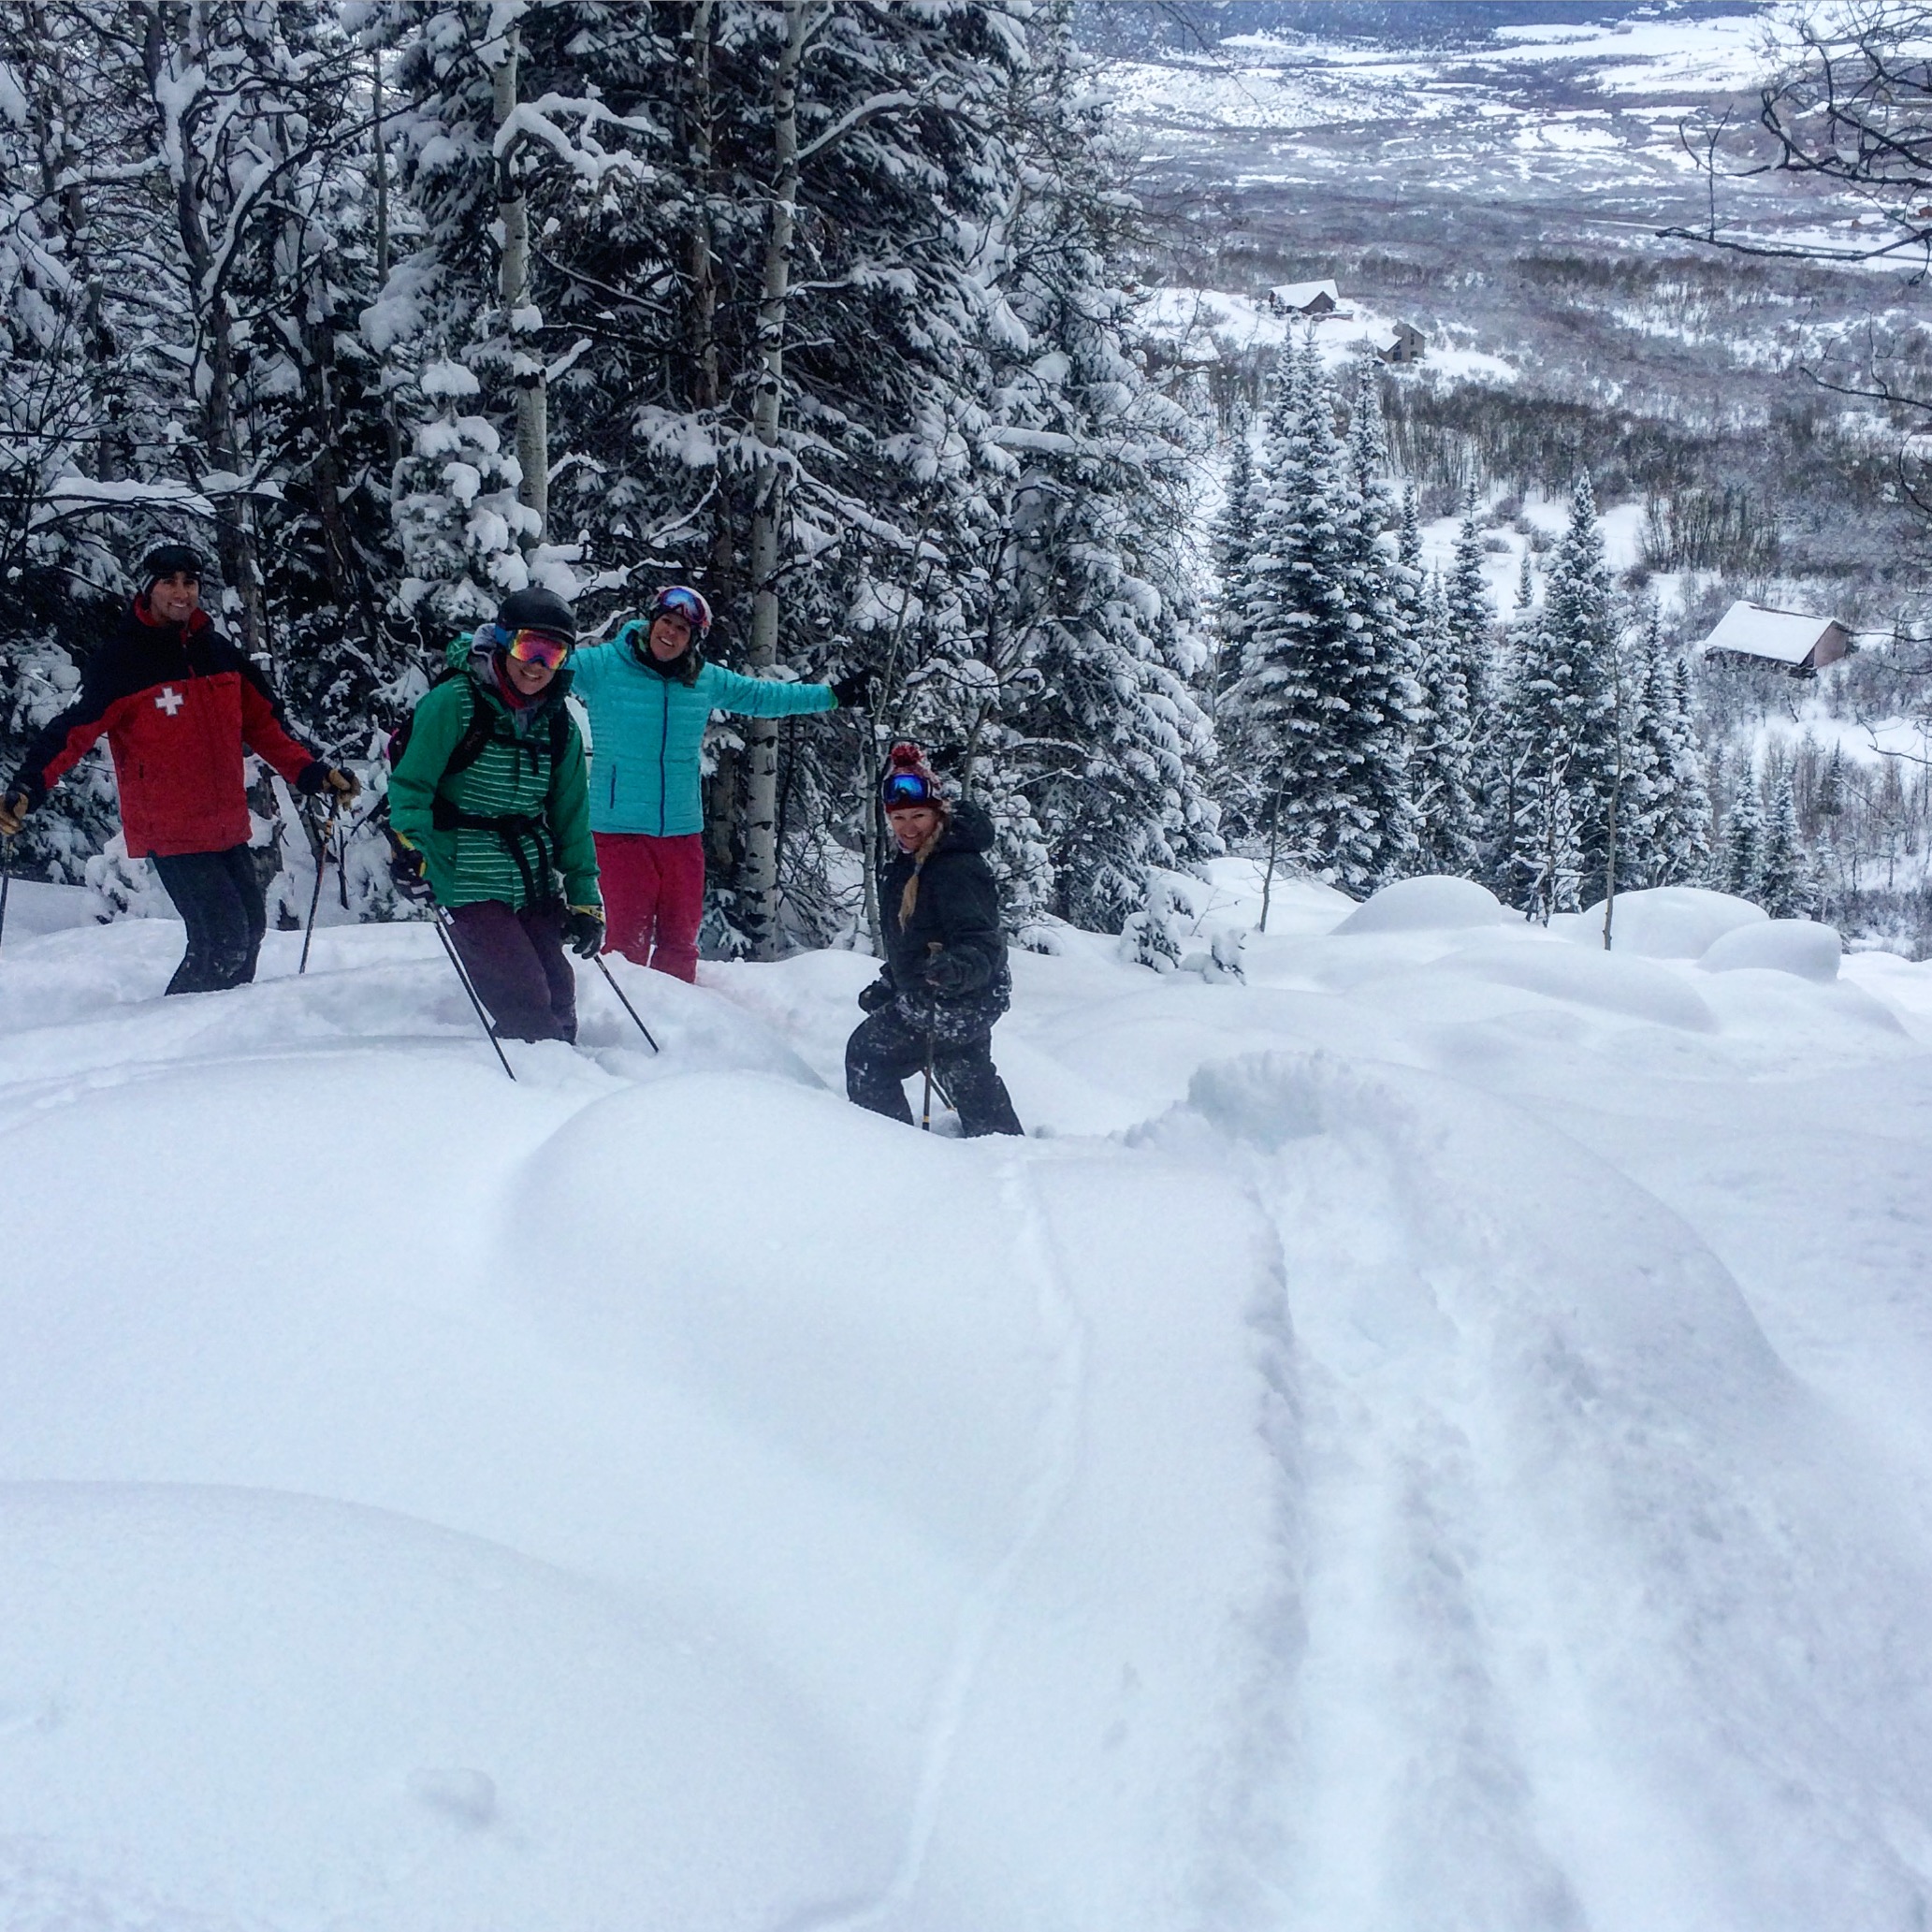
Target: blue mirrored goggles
[
  {"x": 681, "y": 599},
  {"x": 903, "y": 789}
]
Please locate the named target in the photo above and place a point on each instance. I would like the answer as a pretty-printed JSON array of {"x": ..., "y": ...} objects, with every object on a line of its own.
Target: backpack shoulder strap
[{"x": 469, "y": 747}]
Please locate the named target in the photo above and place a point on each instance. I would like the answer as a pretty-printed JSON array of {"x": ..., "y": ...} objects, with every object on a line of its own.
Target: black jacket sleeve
[{"x": 63, "y": 741}]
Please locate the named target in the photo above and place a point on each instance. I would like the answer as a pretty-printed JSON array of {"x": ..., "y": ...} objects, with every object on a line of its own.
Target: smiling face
[
  {"x": 670, "y": 636},
  {"x": 175, "y": 600},
  {"x": 912, "y": 825},
  {"x": 530, "y": 678}
]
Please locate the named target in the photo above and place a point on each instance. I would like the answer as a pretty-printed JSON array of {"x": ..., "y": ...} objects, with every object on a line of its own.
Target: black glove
[
  {"x": 321, "y": 779},
  {"x": 853, "y": 691},
  {"x": 950, "y": 974},
  {"x": 406, "y": 873},
  {"x": 583, "y": 930},
  {"x": 14, "y": 808},
  {"x": 877, "y": 994}
]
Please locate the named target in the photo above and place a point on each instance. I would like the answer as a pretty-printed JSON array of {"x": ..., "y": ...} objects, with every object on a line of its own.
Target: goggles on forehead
[
  {"x": 538, "y": 647},
  {"x": 681, "y": 600},
  {"x": 903, "y": 789}
]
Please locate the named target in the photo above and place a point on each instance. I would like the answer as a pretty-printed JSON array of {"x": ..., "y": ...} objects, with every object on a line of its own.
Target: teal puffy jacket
[{"x": 647, "y": 729}]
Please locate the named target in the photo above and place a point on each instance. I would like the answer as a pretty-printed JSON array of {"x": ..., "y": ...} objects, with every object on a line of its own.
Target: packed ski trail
[{"x": 1434, "y": 1434}]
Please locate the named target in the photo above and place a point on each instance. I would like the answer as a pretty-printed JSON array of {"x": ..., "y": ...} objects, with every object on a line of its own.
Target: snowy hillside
[{"x": 1432, "y": 1435}]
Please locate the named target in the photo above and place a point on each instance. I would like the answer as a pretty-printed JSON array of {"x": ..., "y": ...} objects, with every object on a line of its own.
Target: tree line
[
  {"x": 396, "y": 306},
  {"x": 1383, "y": 722}
]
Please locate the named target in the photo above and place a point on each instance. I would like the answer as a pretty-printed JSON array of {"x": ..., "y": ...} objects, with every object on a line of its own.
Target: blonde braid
[{"x": 908, "y": 896}]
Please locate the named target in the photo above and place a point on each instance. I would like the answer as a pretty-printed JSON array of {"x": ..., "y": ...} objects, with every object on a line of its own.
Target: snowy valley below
[{"x": 1434, "y": 1434}]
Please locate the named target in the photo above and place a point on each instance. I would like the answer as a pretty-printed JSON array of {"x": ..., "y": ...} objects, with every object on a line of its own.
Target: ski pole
[
  {"x": 5, "y": 880},
  {"x": 315, "y": 897},
  {"x": 623, "y": 1001},
  {"x": 926, "y": 1105},
  {"x": 441, "y": 919}
]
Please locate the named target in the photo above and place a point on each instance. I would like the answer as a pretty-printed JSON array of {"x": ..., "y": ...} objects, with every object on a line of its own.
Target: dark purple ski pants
[{"x": 518, "y": 963}]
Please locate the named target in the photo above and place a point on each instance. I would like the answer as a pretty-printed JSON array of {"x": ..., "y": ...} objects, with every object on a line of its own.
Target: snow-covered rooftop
[
  {"x": 1783, "y": 636},
  {"x": 1298, "y": 294}
]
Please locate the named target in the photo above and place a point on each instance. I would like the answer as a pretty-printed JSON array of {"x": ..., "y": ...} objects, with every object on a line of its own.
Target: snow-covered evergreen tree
[
  {"x": 1442, "y": 758},
  {"x": 1563, "y": 709},
  {"x": 1785, "y": 887},
  {"x": 1676, "y": 828},
  {"x": 1234, "y": 548},
  {"x": 1300, "y": 628},
  {"x": 1550, "y": 851},
  {"x": 1744, "y": 840}
]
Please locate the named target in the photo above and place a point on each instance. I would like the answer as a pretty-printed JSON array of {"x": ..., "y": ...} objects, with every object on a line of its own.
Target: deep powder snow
[{"x": 1432, "y": 1436}]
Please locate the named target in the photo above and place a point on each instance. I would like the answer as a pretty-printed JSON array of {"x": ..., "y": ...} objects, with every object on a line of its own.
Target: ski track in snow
[
  {"x": 1439, "y": 1439},
  {"x": 1056, "y": 1459}
]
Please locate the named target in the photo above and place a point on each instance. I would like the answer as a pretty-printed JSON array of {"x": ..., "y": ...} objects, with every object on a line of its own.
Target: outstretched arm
[{"x": 766, "y": 697}]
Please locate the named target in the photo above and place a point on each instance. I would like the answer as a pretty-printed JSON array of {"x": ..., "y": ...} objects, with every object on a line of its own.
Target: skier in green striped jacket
[{"x": 490, "y": 810}]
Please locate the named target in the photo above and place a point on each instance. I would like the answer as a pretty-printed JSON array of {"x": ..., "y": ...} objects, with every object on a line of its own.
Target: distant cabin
[
  {"x": 1405, "y": 343},
  {"x": 1748, "y": 632},
  {"x": 1304, "y": 298}
]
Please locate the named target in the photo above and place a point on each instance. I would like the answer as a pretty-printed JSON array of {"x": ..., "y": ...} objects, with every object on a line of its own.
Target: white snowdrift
[
  {"x": 1800, "y": 946},
  {"x": 1435, "y": 1436},
  {"x": 1426, "y": 905},
  {"x": 1671, "y": 922}
]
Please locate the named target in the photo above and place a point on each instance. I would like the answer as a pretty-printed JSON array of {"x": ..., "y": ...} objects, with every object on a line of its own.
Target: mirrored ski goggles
[
  {"x": 538, "y": 647},
  {"x": 903, "y": 790},
  {"x": 681, "y": 600}
]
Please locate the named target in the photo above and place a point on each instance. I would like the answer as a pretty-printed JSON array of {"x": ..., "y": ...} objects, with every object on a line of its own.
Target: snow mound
[
  {"x": 1800, "y": 946},
  {"x": 1608, "y": 981},
  {"x": 1666, "y": 921},
  {"x": 491, "y": 1732},
  {"x": 1431, "y": 904}
]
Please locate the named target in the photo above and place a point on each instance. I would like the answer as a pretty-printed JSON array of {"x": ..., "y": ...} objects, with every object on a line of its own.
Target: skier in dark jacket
[
  {"x": 180, "y": 705},
  {"x": 944, "y": 980}
]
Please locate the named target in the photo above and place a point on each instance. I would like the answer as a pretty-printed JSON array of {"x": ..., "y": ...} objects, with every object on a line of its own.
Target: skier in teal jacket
[{"x": 650, "y": 694}]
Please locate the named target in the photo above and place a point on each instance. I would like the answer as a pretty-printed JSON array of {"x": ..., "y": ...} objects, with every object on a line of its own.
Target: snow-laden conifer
[
  {"x": 1442, "y": 752},
  {"x": 1233, "y": 551},
  {"x": 1744, "y": 838},
  {"x": 1563, "y": 705},
  {"x": 1786, "y": 886},
  {"x": 1677, "y": 824}
]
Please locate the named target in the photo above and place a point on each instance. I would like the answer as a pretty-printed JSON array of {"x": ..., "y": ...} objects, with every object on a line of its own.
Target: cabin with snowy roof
[
  {"x": 1404, "y": 343},
  {"x": 1304, "y": 298},
  {"x": 1753, "y": 634}
]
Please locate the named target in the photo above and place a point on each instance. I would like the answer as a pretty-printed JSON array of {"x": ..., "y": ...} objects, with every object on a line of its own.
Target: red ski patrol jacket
[{"x": 178, "y": 703}]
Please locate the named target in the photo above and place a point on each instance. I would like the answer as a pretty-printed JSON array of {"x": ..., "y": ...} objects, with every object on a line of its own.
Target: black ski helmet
[
  {"x": 166, "y": 560},
  {"x": 537, "y": 609}
]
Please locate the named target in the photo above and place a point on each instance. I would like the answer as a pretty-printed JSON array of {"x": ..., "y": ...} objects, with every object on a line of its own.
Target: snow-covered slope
[{"x": 1433, "y": 1435}]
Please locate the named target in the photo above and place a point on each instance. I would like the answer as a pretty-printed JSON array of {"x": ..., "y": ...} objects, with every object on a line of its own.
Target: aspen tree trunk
[
  {"x": 521, "y": 319},
  {"x": 215, "y": 323},
  {"x": 761, "y": 873},
  {"x": 392, "y": 430},
  {"x": 721, "y": 785}
]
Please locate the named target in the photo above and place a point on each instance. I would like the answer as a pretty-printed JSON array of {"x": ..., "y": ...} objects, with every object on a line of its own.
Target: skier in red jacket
[{"x": 180, "y": 704}]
